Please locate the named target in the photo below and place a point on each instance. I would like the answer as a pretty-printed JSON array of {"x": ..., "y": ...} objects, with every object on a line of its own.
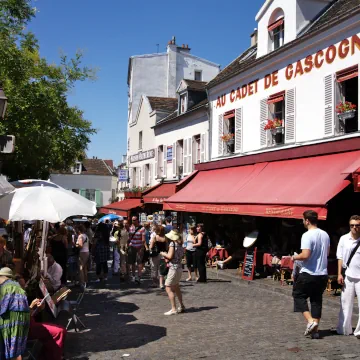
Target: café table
[
  {"x": 267, "y": 258},
  {"x": 287, "y": 266},
  {"x": 220, "y": 253}
]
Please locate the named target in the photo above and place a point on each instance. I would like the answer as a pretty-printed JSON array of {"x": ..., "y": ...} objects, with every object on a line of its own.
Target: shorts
[
  {"x": 191, "y": 260},
  {"x": 135, "y": 255},
  {"x": 173, "y": 277}
]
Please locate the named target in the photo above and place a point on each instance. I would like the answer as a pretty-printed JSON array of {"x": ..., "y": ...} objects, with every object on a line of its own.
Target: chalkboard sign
[{"x": 249, "y": 264}]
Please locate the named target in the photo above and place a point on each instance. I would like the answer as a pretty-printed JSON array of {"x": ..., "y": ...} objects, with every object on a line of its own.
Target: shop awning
[
  {"x": 159, "y": 193},
  {"x": 276, "y": 189},
  {"x": 121, "y": 208}
]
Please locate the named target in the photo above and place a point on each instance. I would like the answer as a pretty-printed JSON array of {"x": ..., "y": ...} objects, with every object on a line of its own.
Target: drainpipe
[{"x": 209, "y": 111}]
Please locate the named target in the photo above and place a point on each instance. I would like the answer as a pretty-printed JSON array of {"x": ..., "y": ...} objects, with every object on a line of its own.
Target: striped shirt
[{"x": 136, "y": 238}]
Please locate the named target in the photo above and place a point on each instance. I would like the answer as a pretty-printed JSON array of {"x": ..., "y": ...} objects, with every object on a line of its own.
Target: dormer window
[
  {"x": 276, "y": 33},
  {"x": 77, "y": 168},
  {"x": 183, "y": 103}
]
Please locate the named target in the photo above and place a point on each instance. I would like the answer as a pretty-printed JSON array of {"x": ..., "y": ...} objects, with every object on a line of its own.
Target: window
[
  {"x": 229, "y": 131},
  {"x": 90, "y": 194},
  {"x": 140, "y": 140},
  {"x": 198, "y": 75},
  {"x": 347, "y": 90},
  {"x": 180, "y": 156},
  {"x": 276, "y": 104},
  {"x": 77, "y": 168},
  {"x": 160, "y": 163},
  {"x": 197, "y": 149},
  {"x": 183, "y": 103},
  {"x": 76, "y": 191},
  {"x": 147, "y": 175},
  {"x": 276, "y": 34}
]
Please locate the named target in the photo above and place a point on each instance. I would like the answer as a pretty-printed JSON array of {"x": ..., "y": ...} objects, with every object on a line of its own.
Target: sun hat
[
  {"x": 250, "y": 239},
  {"x": 173, "y": 235},
  {"x": 5, "y": 271}
]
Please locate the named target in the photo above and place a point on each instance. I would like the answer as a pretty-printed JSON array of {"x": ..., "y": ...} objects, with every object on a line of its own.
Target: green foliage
[{"x": 50, "y": 134}]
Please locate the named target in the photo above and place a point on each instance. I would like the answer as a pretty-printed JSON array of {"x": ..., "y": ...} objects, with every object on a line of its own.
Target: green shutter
[
  {"x": 98, "y": 198},
  {"x": 82, "y": 192}
]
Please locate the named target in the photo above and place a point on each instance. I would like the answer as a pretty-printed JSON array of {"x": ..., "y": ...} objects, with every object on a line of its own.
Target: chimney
[
  {"x": 183, "y": 46},
  {"x": 254, "y": 37}
]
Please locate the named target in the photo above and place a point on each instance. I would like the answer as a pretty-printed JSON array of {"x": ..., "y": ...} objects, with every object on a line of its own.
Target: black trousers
[
  {"x": 309, "y": 286},
  {"x": 200, "y": 256},
  {"x": 102, "y": 266}
]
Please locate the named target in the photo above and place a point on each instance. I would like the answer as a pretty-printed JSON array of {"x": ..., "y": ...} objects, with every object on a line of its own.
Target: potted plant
[
  {"x": 345, "y": 110},
  {"x": 277, "y": 130},
  {"x": 228, "y": 138}
]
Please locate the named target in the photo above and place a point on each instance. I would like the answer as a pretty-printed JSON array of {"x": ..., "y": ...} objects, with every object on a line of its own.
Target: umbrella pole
[{"x": 42, "y": 250}]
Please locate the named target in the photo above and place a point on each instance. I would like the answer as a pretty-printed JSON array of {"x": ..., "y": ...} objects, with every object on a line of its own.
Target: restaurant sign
[{"x": 142, "y": 155}]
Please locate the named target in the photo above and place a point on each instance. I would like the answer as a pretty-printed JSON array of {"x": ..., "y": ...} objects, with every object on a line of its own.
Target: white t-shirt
[
  {"x": 345, "y": 247},
  {"x": 190, "y": 243},
  {"x": 318, "y": 242},
  {"x": 85, "y": 247}
]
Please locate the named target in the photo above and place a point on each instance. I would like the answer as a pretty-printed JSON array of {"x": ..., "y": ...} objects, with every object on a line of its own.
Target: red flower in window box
[
  {"x": 273, "y": 124},
  {"x": 227, "y": 137},
  {"x": 345, "y": 106}
]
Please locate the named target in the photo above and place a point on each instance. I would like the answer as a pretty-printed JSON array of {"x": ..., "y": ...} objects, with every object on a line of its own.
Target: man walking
[
  {"x": 348, "y": 254},
  {"x": 312, "y": 280},
  {"x": 168, "y": 224},
  {"x": 136, "y": 247}
]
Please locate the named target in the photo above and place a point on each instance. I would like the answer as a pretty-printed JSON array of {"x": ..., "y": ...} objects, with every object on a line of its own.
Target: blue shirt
[
  {"x": 168, "y": 228},
  {"x": 318, "y": 242}
]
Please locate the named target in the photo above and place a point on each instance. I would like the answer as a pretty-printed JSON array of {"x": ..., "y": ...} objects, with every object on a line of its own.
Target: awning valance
[
  {"x": 276, "y": 24},
  {"x": 282, "y": 189},
  {"x": 121, "y": 208},
  {"x": 280, "y": 96},
  {"x": 229, "y": 114},
  {"x": 159, "y": 193},
  {"x": 347, "y": 74}
]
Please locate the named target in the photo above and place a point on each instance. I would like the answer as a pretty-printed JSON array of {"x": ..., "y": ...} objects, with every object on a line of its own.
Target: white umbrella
[{"x": 44, "y": 203}]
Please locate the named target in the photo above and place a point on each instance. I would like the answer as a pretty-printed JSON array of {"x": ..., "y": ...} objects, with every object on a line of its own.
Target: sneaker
[
  {"x": 171, "y": 312},
  {"x": 189, "y": 279},
  {"x": 180, "y": 309},
  {"x": 162, "y": 287},
  {"x": 310, "y": 328},
  {"x": 97, "y": 280},
  {"x": 315, "y": 335},
  {"x": 358, "y": 336},
  {"x": 220, "y": 264}
]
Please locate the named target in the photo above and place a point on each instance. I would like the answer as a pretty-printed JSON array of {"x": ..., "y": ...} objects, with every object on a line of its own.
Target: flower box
[{"x": 350, "y": 114}]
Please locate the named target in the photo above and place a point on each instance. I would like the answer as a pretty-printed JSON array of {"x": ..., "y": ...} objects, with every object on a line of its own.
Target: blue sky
[{"x": 110, "y": 31}]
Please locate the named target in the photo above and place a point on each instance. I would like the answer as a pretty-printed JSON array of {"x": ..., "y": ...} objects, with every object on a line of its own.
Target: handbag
[{"x": 343, "y": 270}]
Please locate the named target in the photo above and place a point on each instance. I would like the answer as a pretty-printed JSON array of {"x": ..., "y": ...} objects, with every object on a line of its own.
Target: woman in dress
[
  {"x": 59, "y": 250},
  {"x": 174, "y": 257},
  {"x": 190, "y": 253},
  {"x": 14, "y": 317},
  {"x": 201, "y": 246},
  {"x": 83, "y": 244},
  {"x": 158, "y": 265}
]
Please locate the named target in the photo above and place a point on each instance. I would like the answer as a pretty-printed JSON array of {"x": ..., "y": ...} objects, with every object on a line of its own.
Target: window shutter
[
  {"x": 185, "y": 156},
  {"x": 156, "y": 163},
  {"x": 238, "y": 129},
  {"x": 143, "y": 175},
  {"x": 98, "y": 198},
  {"x": 290, "y": 116},
  {"x": 82, "y": 192},
  {"x": 150, "y": 174},
  {"x": 190, "y": 155},
  {"x": 174, "y": 160},
  {"x": 165, "y": 160},
  {"x": 329, "y": 82},
  {"x": 202, "y": 147},
  {"x": 220, "y": 133},
  {"x": 264, "y": 114}
]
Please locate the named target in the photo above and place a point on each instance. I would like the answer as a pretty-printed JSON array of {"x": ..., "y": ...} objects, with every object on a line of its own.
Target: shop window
[
  {"x": 347, "y": 95},
  {"x": 229, "y": 132},
  {"x": 196, "y": 149},
  {"x": 198, "y": 75},
  {"x": 140, "y": 140},
  {"x": 90, "y": 194},
  {"x": 276, "y": 34}
]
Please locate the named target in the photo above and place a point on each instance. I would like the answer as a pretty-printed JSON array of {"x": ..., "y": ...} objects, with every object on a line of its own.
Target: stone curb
[{"x": 286, "y": 290}]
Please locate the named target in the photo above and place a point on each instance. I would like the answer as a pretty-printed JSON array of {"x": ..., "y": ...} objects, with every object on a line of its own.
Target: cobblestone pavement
[{"x": 224, "y": 320}]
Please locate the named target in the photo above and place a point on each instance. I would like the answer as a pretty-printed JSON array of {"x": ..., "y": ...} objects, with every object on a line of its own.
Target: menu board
[{"x": 249, "y": 264}]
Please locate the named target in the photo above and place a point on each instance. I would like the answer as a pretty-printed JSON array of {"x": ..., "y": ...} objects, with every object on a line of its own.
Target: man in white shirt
[
  {"x": 351, "y": 281},
  {"x": 53, "y": 276},
  {"x": 312, "y": 280}
]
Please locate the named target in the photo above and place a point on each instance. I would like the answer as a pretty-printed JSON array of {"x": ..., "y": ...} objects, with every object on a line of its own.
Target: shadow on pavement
[{"x": 204, "y": 308}]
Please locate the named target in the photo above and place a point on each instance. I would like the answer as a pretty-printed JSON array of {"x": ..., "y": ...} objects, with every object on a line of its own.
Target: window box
[
  {"x": 278, "y": 135},
  {"x": 347, "y": 115}
]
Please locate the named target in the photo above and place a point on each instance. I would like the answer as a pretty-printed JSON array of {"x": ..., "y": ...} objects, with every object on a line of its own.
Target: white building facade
[
  {"x": 305, "y": 63},
  {"x": 153, "y": 82}
]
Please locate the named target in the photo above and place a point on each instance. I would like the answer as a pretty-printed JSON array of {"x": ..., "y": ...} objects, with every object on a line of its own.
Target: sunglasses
[{"x": 354, "y": 225}]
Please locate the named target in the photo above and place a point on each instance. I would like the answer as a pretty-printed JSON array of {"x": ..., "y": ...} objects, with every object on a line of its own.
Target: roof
[
  {"x": 195, "y": 84},
  {"x": 109, "y": 163},
  {"x": 162, "y": 103},
  {"x": 337, "y": 11},
  {"x": 175, "y": 115},
  {"x": 91, "y": 167}
]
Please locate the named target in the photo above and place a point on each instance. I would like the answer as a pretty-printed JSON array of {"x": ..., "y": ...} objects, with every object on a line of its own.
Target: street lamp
[{"x": 3, "y": 103}]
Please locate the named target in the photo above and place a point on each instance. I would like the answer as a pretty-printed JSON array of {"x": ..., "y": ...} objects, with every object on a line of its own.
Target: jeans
[
  {"x": 309, "y": 286},
  {"x": 201, "y": 264}
]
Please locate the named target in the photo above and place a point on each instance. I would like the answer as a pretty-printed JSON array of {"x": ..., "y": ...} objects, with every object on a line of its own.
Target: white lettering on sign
[{"x": 142, "y": 155}]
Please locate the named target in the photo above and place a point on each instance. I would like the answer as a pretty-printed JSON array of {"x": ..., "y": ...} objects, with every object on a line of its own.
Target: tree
[{"x": 50, "y": 134}]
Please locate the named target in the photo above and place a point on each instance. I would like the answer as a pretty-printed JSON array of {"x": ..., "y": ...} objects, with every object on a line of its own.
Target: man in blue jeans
[{"x": 312, "y": 280}]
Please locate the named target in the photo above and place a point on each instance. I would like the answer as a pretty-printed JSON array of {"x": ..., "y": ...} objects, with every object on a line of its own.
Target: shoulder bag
[{"x": 350, "y": 258}]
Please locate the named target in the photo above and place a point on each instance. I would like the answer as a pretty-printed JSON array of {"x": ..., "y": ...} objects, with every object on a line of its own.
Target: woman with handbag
[{"x": 158, "y": 265}]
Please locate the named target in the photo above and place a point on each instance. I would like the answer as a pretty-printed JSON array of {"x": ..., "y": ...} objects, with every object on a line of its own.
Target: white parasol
[{"x": 44, "y": 203}]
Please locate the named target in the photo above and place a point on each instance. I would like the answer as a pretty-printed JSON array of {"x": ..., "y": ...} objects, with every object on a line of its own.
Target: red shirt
[{"x": 136, "y": 238}]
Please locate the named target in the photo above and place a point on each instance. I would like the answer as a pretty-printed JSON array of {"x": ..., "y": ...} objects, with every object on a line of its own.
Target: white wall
[
  {"x": 309, "y": 87},
  {"x": 103, "y": 183}
]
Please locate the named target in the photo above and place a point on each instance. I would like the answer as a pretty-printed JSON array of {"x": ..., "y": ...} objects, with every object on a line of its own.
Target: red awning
[
  {"x": 277, "y": 189},
  {"x": 121, "y": 208},
  {"x": 159, "y": 193},
  {"x": 347, "y": 74},
  {"x": 276, "y": 24},
  {"x": 229, "y": 114},
  {"x": 280, "y": 96}
]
